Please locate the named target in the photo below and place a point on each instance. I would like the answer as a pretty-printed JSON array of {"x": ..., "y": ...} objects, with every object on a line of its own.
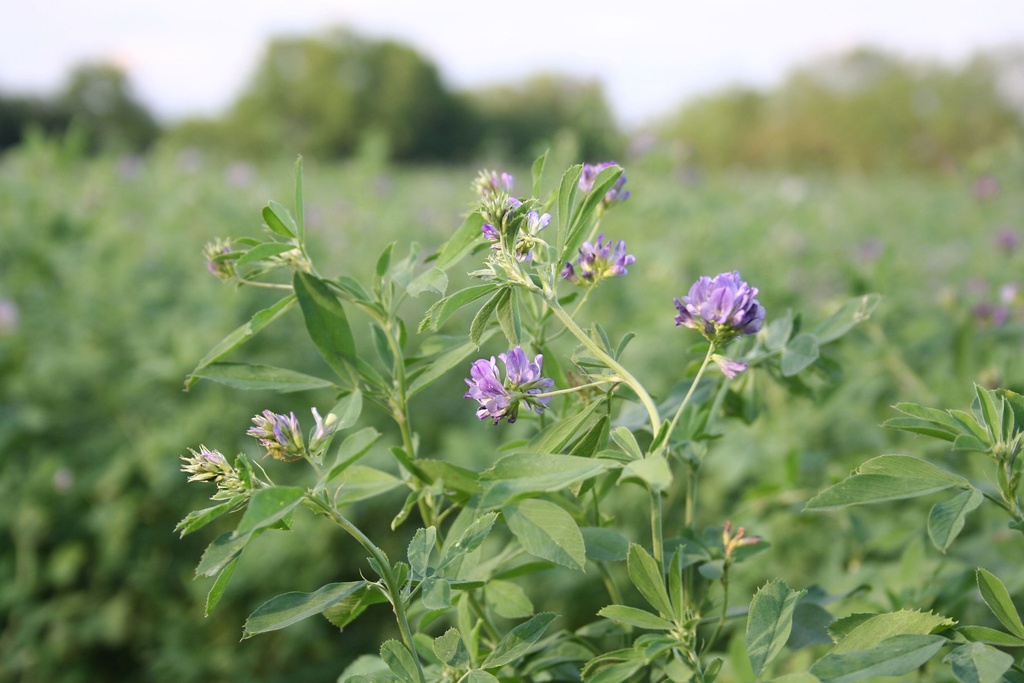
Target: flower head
[
  {"x": 207, "y": 465},
  {"x": 614, "y": 194},
  {"x": 523, "y": 382},
  {"x": 528, "y": 239},
  {"x": 721, "y": 308},
  {"x": 599, "y": 261},
  {"x": 324, "y": 429},
  {"x": 279, "y": 434},
  {"x": 489, "y": 183},
  {"x": 217, "y": 261}
]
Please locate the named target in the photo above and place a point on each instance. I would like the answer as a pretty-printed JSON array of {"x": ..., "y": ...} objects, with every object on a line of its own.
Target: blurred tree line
[
  {"x": 862, "y": 110},
  {"x": 338, "y": 94}
]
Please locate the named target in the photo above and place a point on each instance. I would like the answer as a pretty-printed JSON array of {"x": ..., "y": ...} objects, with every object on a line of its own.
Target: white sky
[{"x": 194, "y": 56}]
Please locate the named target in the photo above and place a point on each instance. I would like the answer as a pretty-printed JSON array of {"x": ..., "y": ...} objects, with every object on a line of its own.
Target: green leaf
[
  {"x": 546, "y": 531},
  {"x": 261, "y": 378},
  {"x": 459, "y": 244},
  {"x": 649, "y": 578},
  {"x": 939, "y": 418},
  {"x": 522, "y": 474},
  {"x": 876, "y": 628},
  {"x": 262, "y": 252},
  {"x": 351, "y": 449},
  {"x": 479, "y": 676},
  {"x": 439, "y": 366},
  {"x": 436, "y": 593},
  {"x": 604, "y": 545},
  {"x": 347, "y": 410},
  {"x": 627, "y": 442},
  {"x": 444, "y": 308},
  {"x": 508, "y": 600},
  {"x": 483, "y": 316},
  {"x": 200, "y": 518},
  {"x": 769, "y": 623},
  {"x": 537, "y": 172},
  {"x": 591, "y": 200},
  {"x": 990, "y": 413},
  {"x": 266, "y": 507},
  {"x": 567, "y": 191},
  {"x": 778, "y": 332},
  {"x": 560, "y": 434},
  {"x": 359, "y": 483},
  {"x": 801, "y": 351},
  {"x": 430, "y": 280},
  {"x": 220, "y": 585},
  {"x": 851, "y": 313},
  {"x": 970, "y": 444},
  {"x": 978, "y": 663},
  {"x": 420, "y": 546},
  {"x": 241, "y": 335},
  {"x": 285, "y": 610},
  {"x": 884, "y": 478},
  {"x": 653, "y": 470},
  {"x": 998, "y": 600},
  {"x": 327, "y": 324},
  {"x": 983, "y": 634},
  {"x": 450, "y": 649},
  {"x": 279, "y": 220},
  {"x": 384, "y": 262},
  {"x": 894, "y": 656},
  {"x": 518, "y": 641},
  {"x": 401, "y": 662},
  {"x": 468, "y": 541},
  {"x": 946, "y": 519},
  {"x": 509, "y": 318},
  {"x": 346, "y": 610},
  {"x": 636, "y": 617}
]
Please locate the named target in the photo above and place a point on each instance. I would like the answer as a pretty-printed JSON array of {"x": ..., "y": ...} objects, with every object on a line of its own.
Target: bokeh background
[{"x": 869, "y": 147}]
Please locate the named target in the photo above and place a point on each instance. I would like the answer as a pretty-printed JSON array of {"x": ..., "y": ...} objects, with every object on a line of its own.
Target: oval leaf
[{"x": 769, "y": 623}]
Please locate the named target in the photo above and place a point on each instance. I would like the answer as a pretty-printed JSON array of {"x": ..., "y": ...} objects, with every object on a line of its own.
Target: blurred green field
[{"x": 106, "y": 305}]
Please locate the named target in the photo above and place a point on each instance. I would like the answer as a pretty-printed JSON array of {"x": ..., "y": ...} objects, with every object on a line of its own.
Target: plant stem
[
  {"x": 657, "y": 532},
  {"x": 611, "y": 363},
  {"x": 394, "y": 590},
  {"x": 689, "y": 394},
  {"x": 725, "y": 608}
]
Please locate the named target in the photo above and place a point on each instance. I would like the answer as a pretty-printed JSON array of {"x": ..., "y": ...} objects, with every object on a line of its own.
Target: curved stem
[
  {"x": 390, "y": 582},
  {"x": 611, "y": 363}
]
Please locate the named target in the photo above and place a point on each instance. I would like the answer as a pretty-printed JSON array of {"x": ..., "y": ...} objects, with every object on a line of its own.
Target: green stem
[
  {"x": 689, "y": 394},
  {"x": 725, "y": 608},
  {"x": 394, "y": 590},
  {"x": 657, "y": 530},
  {"x": 611, "y": 363}
]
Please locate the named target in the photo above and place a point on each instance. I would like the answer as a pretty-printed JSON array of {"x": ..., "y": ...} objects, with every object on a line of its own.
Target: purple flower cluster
[
  {"x": 523, "y": 381},
  {"x": 721, "y": 307},
  {"x": 597, "y": 262},
  {"x": 279, "y": 434},
  {"x": 589, "y": 175}
]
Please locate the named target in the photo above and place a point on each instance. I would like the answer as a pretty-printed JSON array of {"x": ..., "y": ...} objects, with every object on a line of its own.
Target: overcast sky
[{"x": 193, "y": 56}]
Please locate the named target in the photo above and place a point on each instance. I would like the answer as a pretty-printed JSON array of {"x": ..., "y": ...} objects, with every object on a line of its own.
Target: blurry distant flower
[
  {"x": 500, "y": 400},
  {"x": 239, "y": 174},
  {"x": 63, "y": 480},
  {"x": 599, "y": 261},
  {"x": 1007, "y": 239},
  {"x": 9, "y": 316},
  {"x": 129, "y": 167},
  {"x": 589, "y": 175},
  {"x": 986, "y": 187},
  {"x": 868, "y": 252},
  {"x": 721, "y": 308},
  {"x": 490, "y": 183},
  {"x": 279, "y": 434}
]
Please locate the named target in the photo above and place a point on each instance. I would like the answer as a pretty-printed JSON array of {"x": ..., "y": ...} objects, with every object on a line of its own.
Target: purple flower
[
  {"x": 721, "y": 308},
  {"x": 490, "y": 232},
  {"x": 598, "y": 261},
  {"x": 730, "y": 368},
  {"x": 490, "y": 183},
  {"x": 1007, "y": 239},
  {"x": 523, "y": 381},
  {"x": 534, "y": 224},
  {"x": 279, "y": 434},
  {"x": 589, "y": 175}
]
